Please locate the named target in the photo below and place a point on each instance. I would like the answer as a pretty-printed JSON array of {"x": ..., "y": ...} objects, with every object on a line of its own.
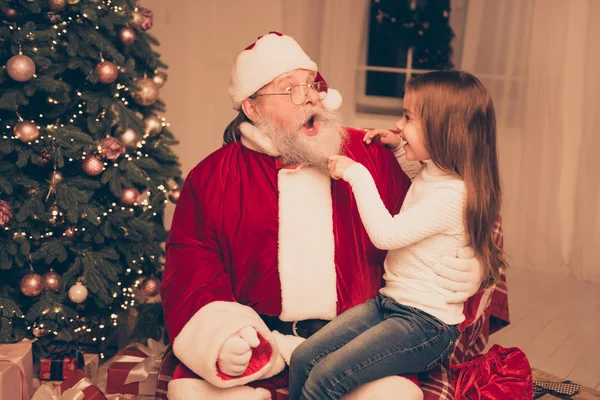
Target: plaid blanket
[{"x": 437, "y": 384}]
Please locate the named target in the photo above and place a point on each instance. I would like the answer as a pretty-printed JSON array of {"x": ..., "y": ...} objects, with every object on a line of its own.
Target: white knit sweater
[{"x": 429, "y": 226}]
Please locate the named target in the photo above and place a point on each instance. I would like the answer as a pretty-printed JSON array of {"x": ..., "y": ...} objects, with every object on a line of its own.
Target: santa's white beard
[{"x": 295, "y": 147}]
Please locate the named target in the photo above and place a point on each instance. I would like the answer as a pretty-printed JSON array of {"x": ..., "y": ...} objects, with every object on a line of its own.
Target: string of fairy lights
[{"x": 135, "y": 151}]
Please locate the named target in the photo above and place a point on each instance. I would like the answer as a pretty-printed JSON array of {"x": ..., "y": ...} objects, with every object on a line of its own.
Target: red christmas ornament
[
  {"x": 26, "y": 131},
  {"x": 52, "y": 281},
  {"x": 20, "y": 68},
  {"x": 32, "y": 284},
  {"x": 129, "y": 196},
  {"x": 107, "y": 72},
  {"x": 150, "y": 287},
  {"x": 92, "y": 166},
  {"x": 127, "y": 36},
  {"x": 6, "y": 213},
  {"x": 112, "y": 148}
]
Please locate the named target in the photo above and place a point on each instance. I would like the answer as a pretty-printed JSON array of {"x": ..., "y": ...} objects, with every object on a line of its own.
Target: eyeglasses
[{"x": 299, "y": 94}]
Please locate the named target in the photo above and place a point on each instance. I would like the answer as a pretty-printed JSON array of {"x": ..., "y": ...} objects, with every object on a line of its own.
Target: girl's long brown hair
[{"x": 459, "y": 123}]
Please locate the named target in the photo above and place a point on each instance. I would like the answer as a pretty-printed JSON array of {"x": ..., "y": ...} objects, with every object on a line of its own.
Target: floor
[{"x": 555, "y": 320}]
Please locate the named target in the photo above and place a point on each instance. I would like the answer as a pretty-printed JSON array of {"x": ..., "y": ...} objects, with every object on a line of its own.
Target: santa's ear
[{"x": 249, "y": 108}]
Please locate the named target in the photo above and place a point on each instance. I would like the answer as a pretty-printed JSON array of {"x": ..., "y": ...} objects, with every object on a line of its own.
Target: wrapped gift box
[
  {"x": 135, "y": 369},
  {"x": 79, "y": 387},
  {"x": 16, "y": 370},
  {"x": 58, "y": 367}
]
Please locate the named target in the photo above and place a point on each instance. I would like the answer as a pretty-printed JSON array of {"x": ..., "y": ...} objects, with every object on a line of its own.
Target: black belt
[{"x": 304, "y": 328}]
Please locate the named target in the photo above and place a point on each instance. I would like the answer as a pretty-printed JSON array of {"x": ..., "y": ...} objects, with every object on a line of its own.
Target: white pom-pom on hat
[{"x": 333, "y": 101}]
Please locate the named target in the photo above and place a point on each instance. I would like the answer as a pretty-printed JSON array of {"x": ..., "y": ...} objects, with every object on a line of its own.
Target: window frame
[{"x": 369, "y": 104}]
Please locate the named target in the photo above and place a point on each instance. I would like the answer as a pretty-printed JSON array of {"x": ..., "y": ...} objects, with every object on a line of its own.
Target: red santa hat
[{"x": 270, "y": 56}]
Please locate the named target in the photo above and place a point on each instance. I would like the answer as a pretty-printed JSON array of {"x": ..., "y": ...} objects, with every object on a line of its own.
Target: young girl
[{"x": 450, "y": 127}]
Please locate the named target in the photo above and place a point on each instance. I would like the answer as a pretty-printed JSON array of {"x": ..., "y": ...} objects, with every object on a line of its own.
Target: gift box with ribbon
[
  {"x": 135, "y": 369},
  {"x": 76, "y": 387},
  {"x": 80, "y": 387},
  {"x": 16, "y": 370},
  {"x": 60, "y": 366}
]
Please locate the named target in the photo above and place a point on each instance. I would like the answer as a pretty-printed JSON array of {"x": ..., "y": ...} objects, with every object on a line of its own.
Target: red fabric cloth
[{"x": 497, "y": 375}]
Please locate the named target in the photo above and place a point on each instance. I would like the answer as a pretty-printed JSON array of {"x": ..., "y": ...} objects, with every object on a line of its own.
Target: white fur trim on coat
[
  {"x": 198, "y": 344},
  {"x": 306, "y": 245},
  {"x": 254, "y": 139},
  {"x": 271, "y": 56},
  {"x": 197, "y": 389}
]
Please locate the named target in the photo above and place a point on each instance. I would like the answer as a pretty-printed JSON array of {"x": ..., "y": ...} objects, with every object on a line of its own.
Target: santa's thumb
[{"x": 249, "y": 335}]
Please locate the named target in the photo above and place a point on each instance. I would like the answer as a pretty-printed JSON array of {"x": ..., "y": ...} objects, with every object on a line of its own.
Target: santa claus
[{"x": 264, "y": 247}]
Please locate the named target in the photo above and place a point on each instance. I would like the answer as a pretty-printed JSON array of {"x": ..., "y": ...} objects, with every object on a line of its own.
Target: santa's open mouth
[{"x": 311, "y": 127}]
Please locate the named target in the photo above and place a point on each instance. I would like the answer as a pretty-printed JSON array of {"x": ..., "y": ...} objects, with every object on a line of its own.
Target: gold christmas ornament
[
  {"x": 129, "y": 196},
  {"x": 107, "y": 72},
  {"x": 129, "y": 138},
  {"x": 57, "y": 5},
  {"x": 148, "y": 93},
  {"x": 150, "y": 287},
  {"x": 78, "y": 293},
  {"x": 174, "y": 195},
  {"x": 137, "y": 19},
  {"x": 52, "y": 281},
  {"x": 73, "y": 2},
  {"x": 26, "y": 131},
  {"x": 159, "y": 79},
  {"x": 20, "y": 68},
  {"x": 32, "y": 284},
  {"x": 127, "y": 36},
  {"x": 152, "y": 125},
  {"x": 92, "y": 166}
]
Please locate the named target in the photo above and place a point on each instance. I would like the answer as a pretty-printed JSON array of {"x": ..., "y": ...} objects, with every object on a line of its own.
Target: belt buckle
[{"x": 295, "y": 328}]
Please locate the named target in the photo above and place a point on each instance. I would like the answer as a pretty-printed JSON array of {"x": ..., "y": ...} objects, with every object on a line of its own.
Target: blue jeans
[{"x": 376, "y": 339}]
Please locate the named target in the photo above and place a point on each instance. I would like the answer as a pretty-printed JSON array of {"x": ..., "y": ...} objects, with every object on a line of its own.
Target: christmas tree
[{"x": 86, "y": 169}]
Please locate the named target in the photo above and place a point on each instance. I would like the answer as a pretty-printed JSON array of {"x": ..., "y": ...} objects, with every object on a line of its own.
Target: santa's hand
[
  {"x": 385, "y": 136},
  {"x": 337, "y": 165},
  {"x": 462, "y": 275},
  {"x": 235, "y": 355}
]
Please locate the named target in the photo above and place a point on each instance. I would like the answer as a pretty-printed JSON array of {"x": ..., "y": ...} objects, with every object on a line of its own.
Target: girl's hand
[
  {"x": 338, "y": 164},
  {"x": 385, "y": 136}
]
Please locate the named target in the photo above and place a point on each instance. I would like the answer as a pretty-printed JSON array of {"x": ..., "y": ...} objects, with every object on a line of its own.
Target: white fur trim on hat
[{"x": 271, "y": 56}]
